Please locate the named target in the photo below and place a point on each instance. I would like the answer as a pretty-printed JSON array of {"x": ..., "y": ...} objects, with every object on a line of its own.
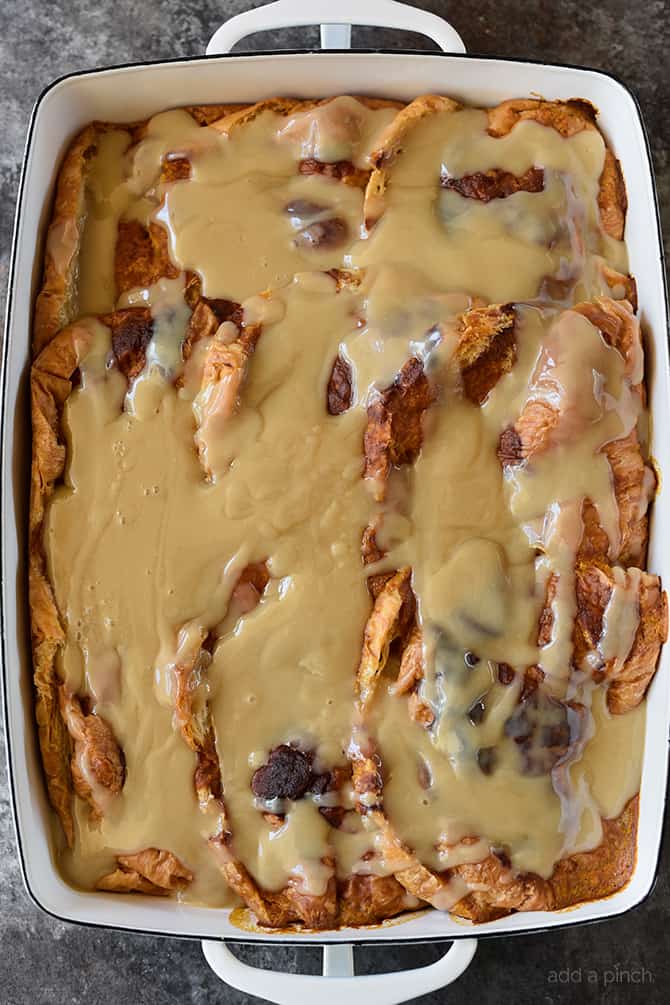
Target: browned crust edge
[
  {"x": 54, "y": 307},
  {"x": 50, "y": 385}
]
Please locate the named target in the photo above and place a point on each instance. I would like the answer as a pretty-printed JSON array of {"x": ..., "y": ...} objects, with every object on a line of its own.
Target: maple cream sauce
[{"x": 145, "y": 546}]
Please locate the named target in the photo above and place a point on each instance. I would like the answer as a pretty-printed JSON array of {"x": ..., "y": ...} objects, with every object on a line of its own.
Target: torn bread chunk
[
  {"x": 486, "y": 348},
  {"x": 387, "y": 621},
  {"x": 393, "y": 434},
  {"x": 141, "y": 256},
  {"x": 621, "y": 624},
  {"x": 152, "y": 871},
  {"x": 223, "y": 373},
  {"x": 97, "y": 765},
  {"x": 56, "y": 305},
  {"x": 390, "y": 147},
  {"x": 494, "y": 184},
  {"x": 132, "y": 330},
  {"x": 552, "y": 415}
]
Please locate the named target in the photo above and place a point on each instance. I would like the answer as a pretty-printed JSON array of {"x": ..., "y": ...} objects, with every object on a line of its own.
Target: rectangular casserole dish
[{"x": 137, "y": 91}]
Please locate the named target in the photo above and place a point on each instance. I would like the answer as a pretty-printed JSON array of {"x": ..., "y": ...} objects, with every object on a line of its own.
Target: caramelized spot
[
  {"x": 510, "y": 447},
  {"x": 339, "y": 387},
  {"x": 394, "y": 432},
  {"x": 486, "y": 349},
  {"x": 341, "y": 170},
  {"x": 132, "y": 330},
  {"x": 175, "y": 169},
  {"x": 495, "y": 184},
  {"x": 505, "y": 674},
  {"x": 141, "y": 256},
  {"x": 333, "y": 814}
]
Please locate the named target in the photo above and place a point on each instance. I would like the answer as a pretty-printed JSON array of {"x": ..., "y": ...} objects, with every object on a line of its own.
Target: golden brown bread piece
[
  {"x": 628, "y": 678},
  {"x": 366, "y": 900},
  {"x": 599, "y": 873},
  {"x": 223, "y": 374},
  {"x": 141, "y": 256},
  {"x": 390, "y": 146},
  {"x": 383, "y": 626},
  {"x": 192, "y": 716},
  {"x": 50, "y": 385},
  {"x": 633, "y": 479},
  {"x": 393, "y": 434},
  {"x": 540, "y": 422},
  {"x": 56, "y": 304},
  {"x": 131, "y": 329},
  {"x": 620, "y": 285},
  {"x": 129, "y": 881},
  {"x": 97, "y": 765},
  {"x": 247, "y": 113},
  {"x": 152, "y": 871},
  {"x": 486, "y": 348},
  {"x": 620, "y": 329},
  {"x": 204, "y": 115},
  {"x": 192, "y": 711},
  {"x": 205, "y": 319},
  {"x": 343, "y": 171},
  {"x": 362, "y": 899}
]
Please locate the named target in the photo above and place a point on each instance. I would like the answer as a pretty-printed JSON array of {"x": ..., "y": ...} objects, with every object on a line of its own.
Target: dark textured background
[{"x": 44, "y": 961}]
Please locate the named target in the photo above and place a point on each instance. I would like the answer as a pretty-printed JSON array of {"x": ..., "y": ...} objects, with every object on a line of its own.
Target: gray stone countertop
[{"x": 47, "y": 962}]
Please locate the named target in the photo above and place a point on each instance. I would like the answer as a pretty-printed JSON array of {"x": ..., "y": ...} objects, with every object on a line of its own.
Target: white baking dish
[{"x": 138, "y": 91}]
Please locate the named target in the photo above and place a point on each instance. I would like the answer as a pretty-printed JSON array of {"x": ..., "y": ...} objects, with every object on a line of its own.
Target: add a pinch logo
[{"x": 606, "y": 977}]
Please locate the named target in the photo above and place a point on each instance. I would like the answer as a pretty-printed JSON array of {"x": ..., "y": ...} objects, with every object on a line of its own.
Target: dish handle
[
  {"x": 335, "y": 21},
  {"x": 338, "y": 982}
]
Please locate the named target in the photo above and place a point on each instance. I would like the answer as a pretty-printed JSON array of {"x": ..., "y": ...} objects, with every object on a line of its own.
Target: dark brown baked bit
[
  {"x": 495, "y": 184},
  {"x": 286, "y": 775},
  {"x": 333, "y": 814},
  {"x": 394, "y": 433},
  {"x": 132, "y": 330},
  {"x": 486, "y": 349},
  {"x": 339, "y": 387},
  {"x": 487, "y": 758},
  {"x": 341, "y": 170},
  {"x": 505, "y": 673},
  {"x": 510, "y": 447},
  {"x": 477, "y": 711}
]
